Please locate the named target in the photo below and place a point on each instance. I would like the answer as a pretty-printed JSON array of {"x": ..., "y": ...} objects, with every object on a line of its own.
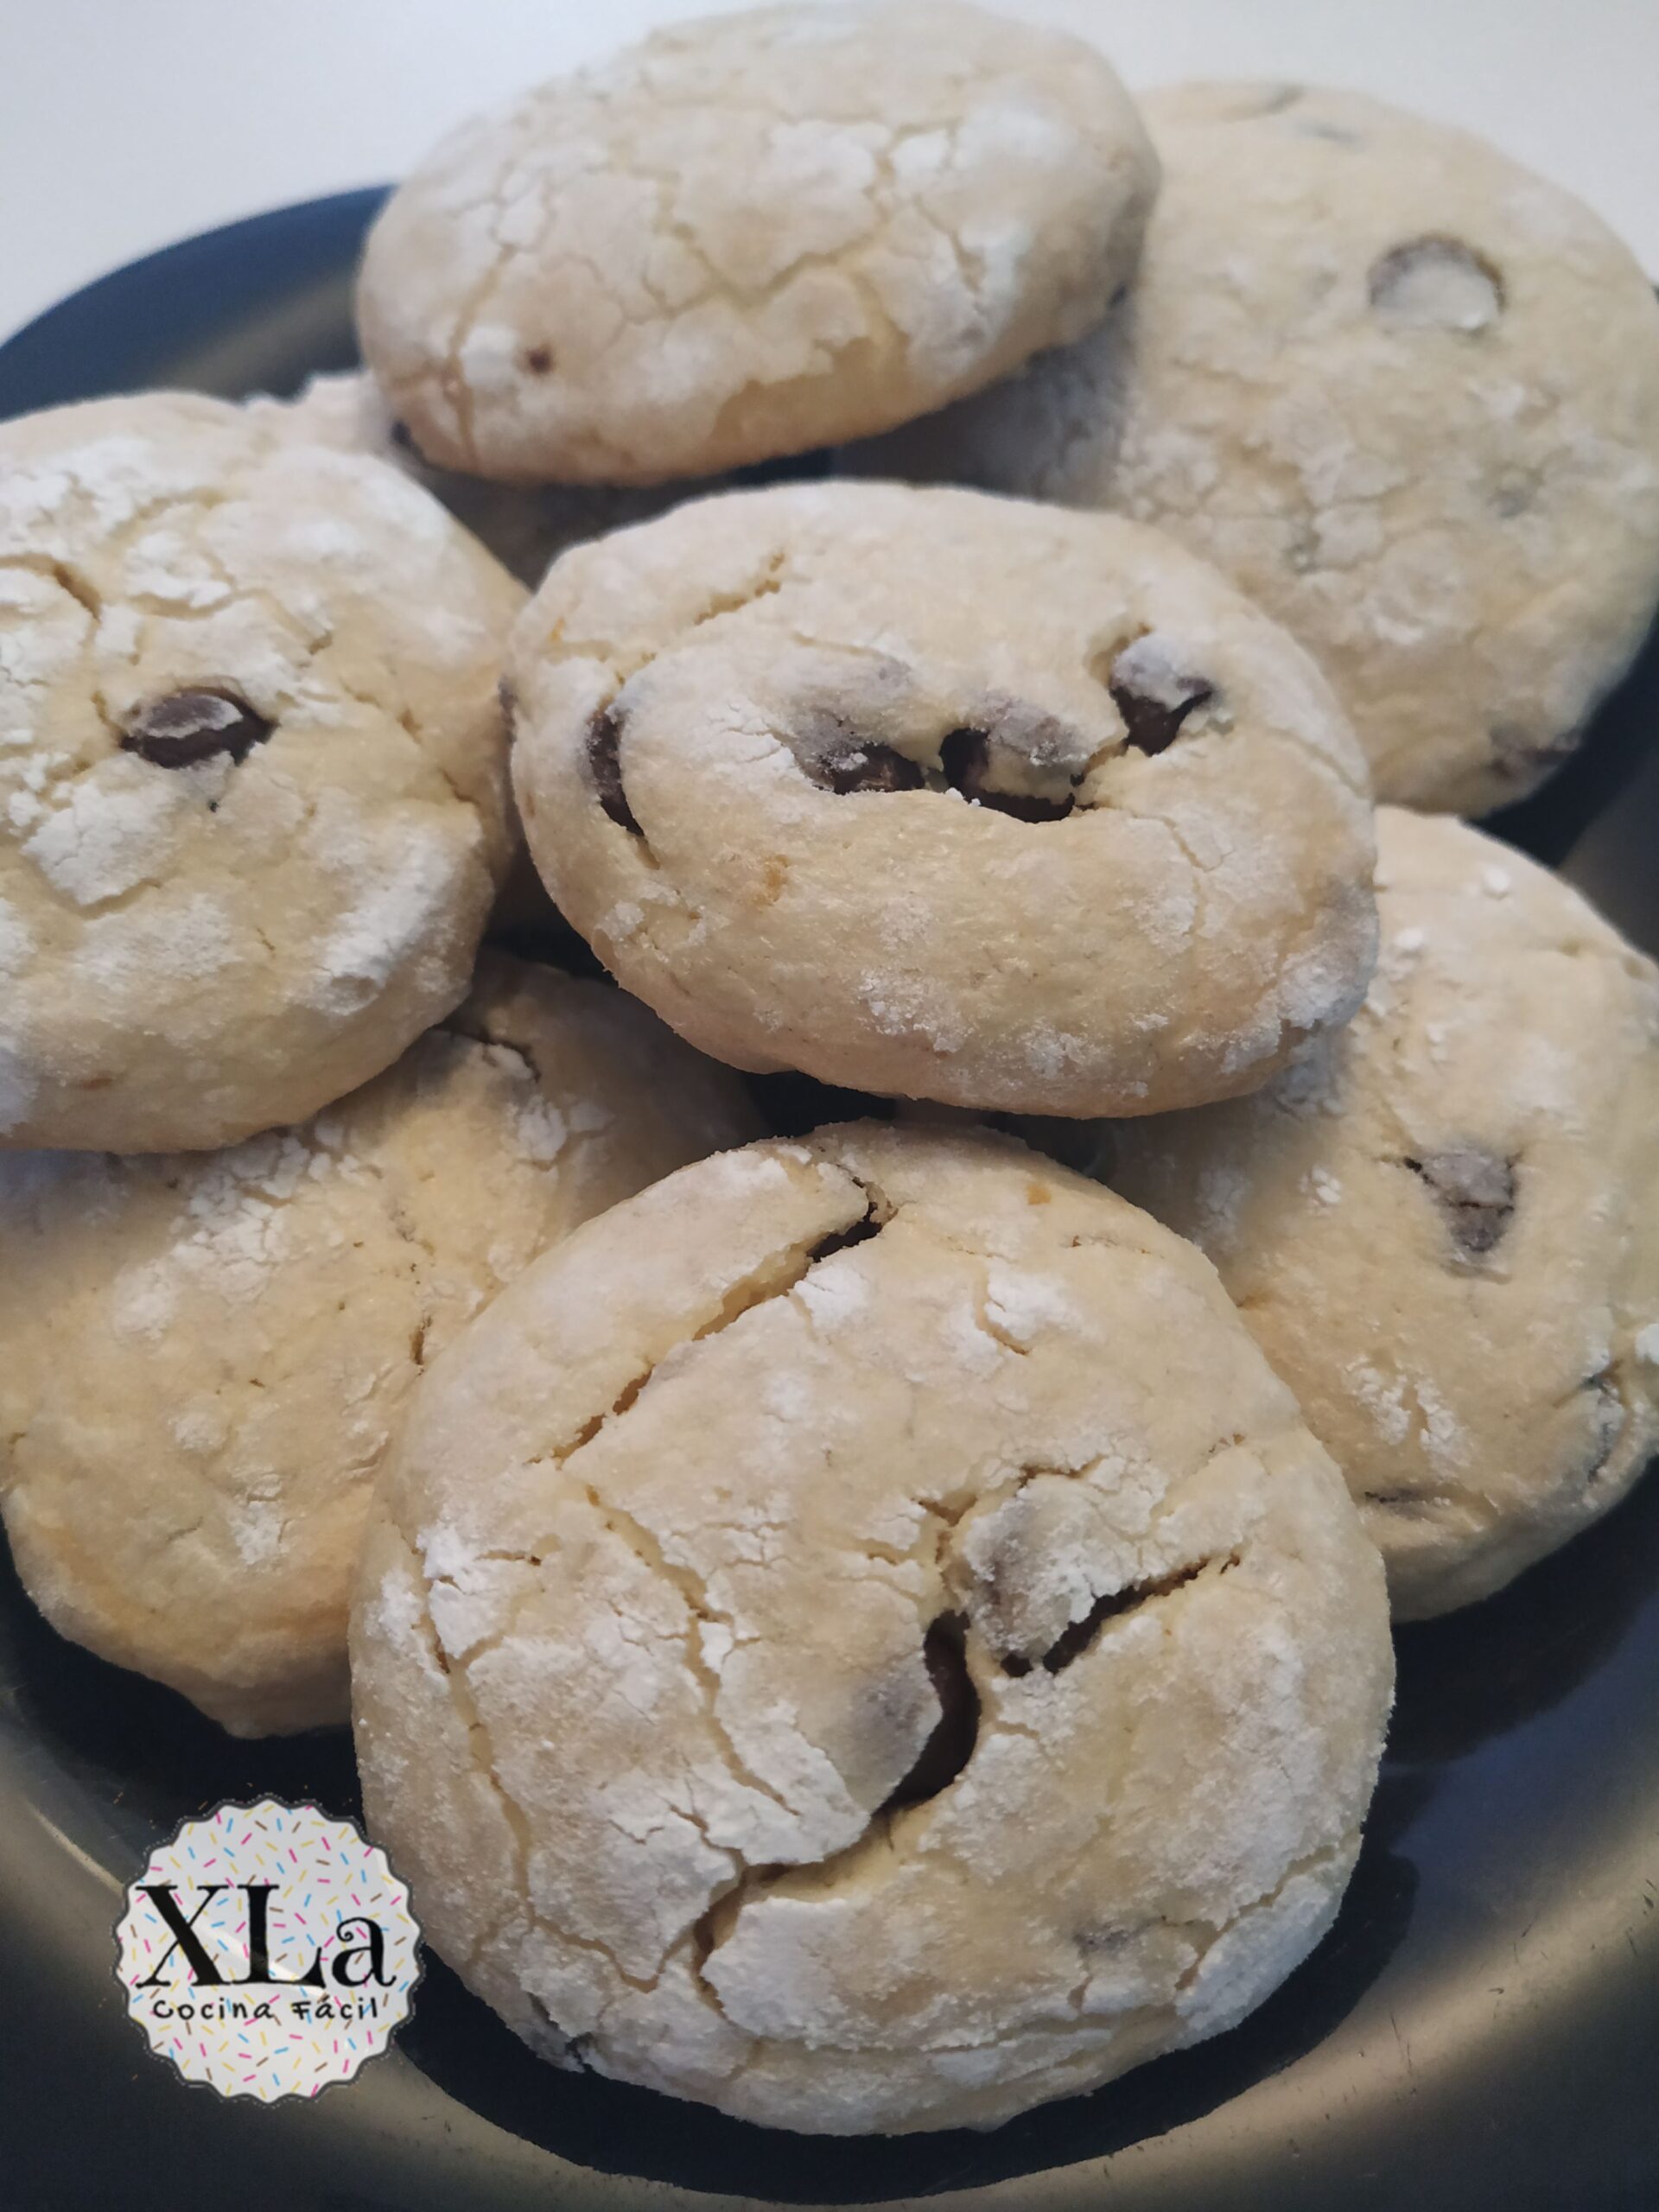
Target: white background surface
[{"x": 127, "y": 124}]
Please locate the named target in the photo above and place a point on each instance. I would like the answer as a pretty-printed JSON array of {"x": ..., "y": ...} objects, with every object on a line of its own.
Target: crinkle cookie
[
  {"x": 204, "y": 1356},
  {"x": 929, "y": 793},
  {"x": 751, "y": 235},
  {"x": 253, "y": 799},
  {"x": 526, "y": 526},
  {"x": 1440, "y": 1224},
  {"x": 860, "y": 1637},
  {"x": 1403, "y": 392}
]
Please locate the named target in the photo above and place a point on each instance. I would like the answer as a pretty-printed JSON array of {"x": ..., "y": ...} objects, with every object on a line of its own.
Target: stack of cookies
[{"x": 871, "y": 1627}]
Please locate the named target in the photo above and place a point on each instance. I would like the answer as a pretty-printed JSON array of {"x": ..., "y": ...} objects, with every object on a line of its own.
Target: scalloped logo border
[{"x": 293, "y": 1896}]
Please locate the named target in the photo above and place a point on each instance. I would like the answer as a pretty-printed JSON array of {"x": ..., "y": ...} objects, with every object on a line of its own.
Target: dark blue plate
[{"x": 1480, "y": 2031}]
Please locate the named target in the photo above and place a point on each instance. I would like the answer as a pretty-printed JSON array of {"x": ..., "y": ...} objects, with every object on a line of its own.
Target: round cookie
[
  {"x": 1439, "y": 1224},
  {"x": 860, "y": 1637},
  {"x": 254, "y": 801},
  {"x": 1403, "y": 392},
  {"x": 204, "y": 1356},
  {"x": 933, "y": 794},
  {"x": 526, "y": 526},
  {"x": 749, "y": 236}
]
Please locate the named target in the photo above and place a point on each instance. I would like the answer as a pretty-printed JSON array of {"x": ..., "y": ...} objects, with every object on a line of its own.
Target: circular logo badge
[{"x": 268, "y": 1950}]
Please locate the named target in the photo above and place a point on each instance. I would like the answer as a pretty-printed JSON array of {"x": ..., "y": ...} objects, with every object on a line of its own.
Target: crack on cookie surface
[
  {"x": 1610, "y": 1418},
  {"x": 950, "y": 1744},
  {"x": 1413, "y": 1504},
  {"x": 843, "y": 1240},
  {"x": 1071, "y": 1644},
  {"x": 57, "y": 570},
  {"x": 604, "y": 751}
]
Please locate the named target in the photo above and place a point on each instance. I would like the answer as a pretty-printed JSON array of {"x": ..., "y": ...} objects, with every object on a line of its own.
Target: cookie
[
  {"x": 1405, "y": 393},
  {"x": 254, "y": 801},
  {"x": 858, "y": 1637},
  {"x": 204, "y": 1356},
  {"x": 749, "y": 236},
  {"x": 937, "y": 795},
  {"x": 526, "y": 526},
  {"x": 1439, "y": 1224}
]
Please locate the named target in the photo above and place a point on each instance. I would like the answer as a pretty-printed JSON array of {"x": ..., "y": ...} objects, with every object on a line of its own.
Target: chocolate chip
[
  {"x": 950, "y": 1745},
  {"x": 860, "y": 1233},
  {"x": 1436, "y": 283},
  {"x": 605, "y": 767},
  {"x": 403, "y": 437},
  {"x": 856, "y": 767},
  {"x": 1153, "y": 695},
  {"x": 1475, "y": 1191},
  {"x": 185, "y": 727},
  {"x": 539, "y": 360},
  {"x": 965, "y": 760}
]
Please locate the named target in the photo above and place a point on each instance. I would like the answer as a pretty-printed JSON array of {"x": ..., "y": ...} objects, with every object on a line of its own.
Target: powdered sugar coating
[
  {"x": 1404, "y": 393},
  {"x": 195, "y": 952},
  {"x": 1438, "y": 1225},
  {"x": 204, "y": 1354},
  {"x": 1198, "y": 909},
  {"x": 638, "y": 1648},
  {"x": 749, "y": 236}
]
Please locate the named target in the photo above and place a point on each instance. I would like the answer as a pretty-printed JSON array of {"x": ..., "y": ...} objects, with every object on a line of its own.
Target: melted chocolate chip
[
  {"x": 965, "y": 758},
  {"x": 857, "y": 767},
  {"x": 950, "y": 1745},
  {"x": 605, "y": 767},
  {"x": 539, "y": 360},
  {"x": 1435, "y": 283},
  {"x": 1475, "y": 1191},
  {"x": 1154, "y": 698},
  {"x": 186, "y": 727}
]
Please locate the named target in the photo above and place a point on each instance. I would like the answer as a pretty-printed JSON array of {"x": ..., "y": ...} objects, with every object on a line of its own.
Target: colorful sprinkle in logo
[{"x": 268, "y": 1951}]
